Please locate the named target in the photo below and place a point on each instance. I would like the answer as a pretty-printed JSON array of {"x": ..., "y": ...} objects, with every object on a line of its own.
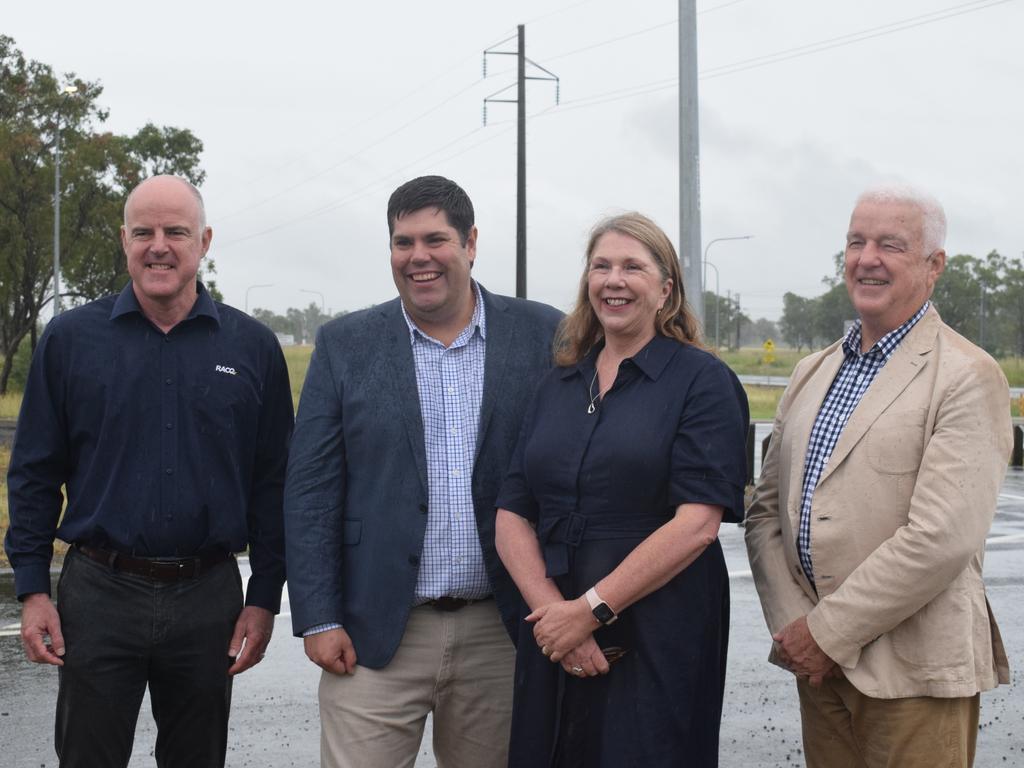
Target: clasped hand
[
  {"x": 802, "y": 655},
  {"x": 564, "y": 633}
]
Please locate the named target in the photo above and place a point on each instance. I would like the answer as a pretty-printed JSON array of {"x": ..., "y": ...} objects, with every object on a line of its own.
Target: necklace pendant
[{"x": 590, "y": 408}]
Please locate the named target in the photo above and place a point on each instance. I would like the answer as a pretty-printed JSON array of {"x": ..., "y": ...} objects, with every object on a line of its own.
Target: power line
[
  {"x": 785, "y": 54},
  {"x": 367, "y": 189},
  {"x": 619, "y": 94},
  {"x": 333, "y": 166}
]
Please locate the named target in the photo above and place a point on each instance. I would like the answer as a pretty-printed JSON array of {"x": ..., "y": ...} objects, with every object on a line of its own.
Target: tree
[
  {"x": 721, "y": 314},
  {"x": 97, "y": 170},
  {"x": 957, "y": 294},
  {"x": 797, "y": 322},
  {"x": 758, "y": 332}
]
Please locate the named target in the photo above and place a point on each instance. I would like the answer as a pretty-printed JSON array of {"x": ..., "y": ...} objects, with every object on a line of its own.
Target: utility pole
[
  {"x": 520, "y": 101},
  {"x": 689, "y": 160},
  {"x": 739, "y": 320}
]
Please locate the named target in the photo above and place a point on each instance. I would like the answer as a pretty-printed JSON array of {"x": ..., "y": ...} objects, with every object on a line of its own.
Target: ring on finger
[
  {"x": 544, "y": 650},
  {"x": 577, "y": 670}
]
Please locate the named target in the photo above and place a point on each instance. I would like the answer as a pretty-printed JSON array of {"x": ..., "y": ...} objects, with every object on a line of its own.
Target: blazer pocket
[
  {"x": 895, "y": 442},
  {"x": 351, "y": 532},
  {"x": 938, "y": 637}
]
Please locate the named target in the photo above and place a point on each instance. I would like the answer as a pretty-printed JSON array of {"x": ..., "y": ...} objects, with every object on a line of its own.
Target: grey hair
[
  {"x": 933, "y": 217},
  {"x": 188, "y": 184}
]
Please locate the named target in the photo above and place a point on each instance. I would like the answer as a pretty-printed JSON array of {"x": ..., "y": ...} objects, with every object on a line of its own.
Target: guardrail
[{"x": 1016, "y": 455}]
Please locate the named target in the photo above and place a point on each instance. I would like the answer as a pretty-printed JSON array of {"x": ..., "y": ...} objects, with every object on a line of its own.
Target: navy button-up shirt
[{"x": 170, "y": 445}]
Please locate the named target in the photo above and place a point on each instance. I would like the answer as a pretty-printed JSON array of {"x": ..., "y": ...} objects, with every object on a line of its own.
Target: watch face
[{"x": 603, "y": 613}]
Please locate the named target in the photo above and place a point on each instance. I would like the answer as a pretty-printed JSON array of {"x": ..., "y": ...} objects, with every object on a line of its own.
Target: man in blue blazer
[{"x": 408, "y": 418}]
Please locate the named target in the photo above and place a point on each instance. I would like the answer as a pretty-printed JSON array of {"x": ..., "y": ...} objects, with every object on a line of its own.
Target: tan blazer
[{"x": 898, "y": 521}]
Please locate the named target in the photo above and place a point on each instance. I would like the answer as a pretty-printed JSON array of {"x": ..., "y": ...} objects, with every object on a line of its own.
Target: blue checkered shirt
[
  {"x": 851, "y": 382},
  {"x": 451, "y": 386}
]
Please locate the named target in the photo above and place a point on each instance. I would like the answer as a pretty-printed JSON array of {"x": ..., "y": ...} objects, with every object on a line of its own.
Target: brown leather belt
[
  {"x": 453, "y": 603},
  {"x": 162, "y": 570}
]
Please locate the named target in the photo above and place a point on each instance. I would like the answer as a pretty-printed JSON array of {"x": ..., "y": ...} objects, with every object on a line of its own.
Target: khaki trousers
[
  {"x": 458, "y": 665},
  {"x": 843, "y": 728}
]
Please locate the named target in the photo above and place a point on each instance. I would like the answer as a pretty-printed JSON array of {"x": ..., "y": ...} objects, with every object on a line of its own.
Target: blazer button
[
  {"x": 414, "y": 559},
  {"x": 423, "y": 508}
]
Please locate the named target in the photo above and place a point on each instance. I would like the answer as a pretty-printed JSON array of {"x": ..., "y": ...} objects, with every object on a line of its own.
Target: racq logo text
[{"x": 225, "y": 369}]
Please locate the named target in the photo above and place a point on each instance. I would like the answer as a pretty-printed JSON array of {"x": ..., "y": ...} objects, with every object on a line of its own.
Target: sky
[{"x": 311, "y": 113}]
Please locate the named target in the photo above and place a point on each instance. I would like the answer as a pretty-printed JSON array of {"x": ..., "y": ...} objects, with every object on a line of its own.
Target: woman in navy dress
[{"x": 630, "y": 458}]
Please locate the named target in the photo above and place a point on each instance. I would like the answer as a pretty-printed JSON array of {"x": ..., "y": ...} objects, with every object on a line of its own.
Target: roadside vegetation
[{"x": 763, "y": 400}]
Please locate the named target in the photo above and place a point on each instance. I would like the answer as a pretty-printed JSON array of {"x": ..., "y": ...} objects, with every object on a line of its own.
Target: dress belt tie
[{"x": 559, "y": 534}]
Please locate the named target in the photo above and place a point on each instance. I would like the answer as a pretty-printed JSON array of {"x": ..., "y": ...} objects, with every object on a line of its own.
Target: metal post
[
  {"x": 56, "y": 218},
  {"x": 706, "y": 265},
  {"x": 521, "y": 169},
  {"x": 261, "y": 285},
  {"x": 689, "y": 160}
]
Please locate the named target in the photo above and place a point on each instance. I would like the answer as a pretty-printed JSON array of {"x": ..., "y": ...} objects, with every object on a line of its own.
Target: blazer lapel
[
  {"x": 909, "y": 359},
  {"x": 801, "y": 423},
  {"x": 500, "y": 337},
  {"x": 403, "y": 376}
]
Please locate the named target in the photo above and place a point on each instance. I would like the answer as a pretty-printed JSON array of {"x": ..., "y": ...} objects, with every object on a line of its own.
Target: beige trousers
[
  {"x": 843, "y": 728},
  {"x": 458, "y": 665}
]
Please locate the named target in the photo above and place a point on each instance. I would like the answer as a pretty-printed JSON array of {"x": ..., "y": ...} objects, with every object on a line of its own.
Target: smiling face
[
  {"x": 431, "y": 267},
  {"x": 888, "y": 274},
  {"x": 626, "y": 289},
  {"x": 164, "y": 239}
]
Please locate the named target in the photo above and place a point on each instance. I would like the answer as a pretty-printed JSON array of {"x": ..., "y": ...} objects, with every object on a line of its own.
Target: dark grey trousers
[{"x": 124, "y": 632}]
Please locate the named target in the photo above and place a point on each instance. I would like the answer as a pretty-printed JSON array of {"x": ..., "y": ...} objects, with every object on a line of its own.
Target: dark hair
[
  {"x": 432, "y": 192},
  {"x": 581, "y": 330}
]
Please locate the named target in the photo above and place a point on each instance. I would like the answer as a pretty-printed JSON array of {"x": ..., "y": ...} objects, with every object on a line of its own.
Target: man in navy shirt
[{"x": 167, "y": 417}]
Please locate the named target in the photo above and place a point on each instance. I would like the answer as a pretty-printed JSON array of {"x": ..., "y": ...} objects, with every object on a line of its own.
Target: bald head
[{"x": 162, "y": 182}]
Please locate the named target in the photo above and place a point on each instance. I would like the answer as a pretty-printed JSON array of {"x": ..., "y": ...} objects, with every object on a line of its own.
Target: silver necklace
[{"x": 590, "y": 391}]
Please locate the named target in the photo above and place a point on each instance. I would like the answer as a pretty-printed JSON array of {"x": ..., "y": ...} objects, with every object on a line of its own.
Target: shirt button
[
  {"x": 167, "y": 339},
  {"x": 455, "y": 473},
  {"x": 169, "y": 471},
  {"x": 451, "y": 390},
  {"x": 458, "y": 559}
]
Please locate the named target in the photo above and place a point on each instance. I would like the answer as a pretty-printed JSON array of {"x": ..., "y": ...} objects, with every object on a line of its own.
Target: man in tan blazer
[{"x": 867, "y": 529}]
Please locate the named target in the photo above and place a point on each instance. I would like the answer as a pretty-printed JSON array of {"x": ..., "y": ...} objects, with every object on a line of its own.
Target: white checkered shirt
[
  {"x": 851, "y": 382},
  {"x": 451, "y": 386}
]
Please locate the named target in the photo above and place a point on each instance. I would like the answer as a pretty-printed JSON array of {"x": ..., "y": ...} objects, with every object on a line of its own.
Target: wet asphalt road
[{"x": 274, "y": 715}]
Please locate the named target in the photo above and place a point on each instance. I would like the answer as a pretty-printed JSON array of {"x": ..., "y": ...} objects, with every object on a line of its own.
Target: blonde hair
[{"x": 581, "y": 330}]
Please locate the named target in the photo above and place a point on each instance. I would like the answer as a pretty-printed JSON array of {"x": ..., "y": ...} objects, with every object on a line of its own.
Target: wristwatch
[{"x": 602, "y": 612}]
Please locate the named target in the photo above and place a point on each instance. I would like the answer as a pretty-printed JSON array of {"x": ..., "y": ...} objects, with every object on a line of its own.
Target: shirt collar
[
  {"x": 127, "y": 302},
  {"x": 477, "y": 322},
  {"x": 651, "y": 359},
  {"x": 886, "y": 345}
]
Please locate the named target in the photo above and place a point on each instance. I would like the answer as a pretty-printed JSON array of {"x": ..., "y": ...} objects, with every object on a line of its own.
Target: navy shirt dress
[{"x": 670, "y": 431}]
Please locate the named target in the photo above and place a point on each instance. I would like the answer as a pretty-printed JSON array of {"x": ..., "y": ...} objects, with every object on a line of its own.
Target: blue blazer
[{"x": 355, "y": 501}]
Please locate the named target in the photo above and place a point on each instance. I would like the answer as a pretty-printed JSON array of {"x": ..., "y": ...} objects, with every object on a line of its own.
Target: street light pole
[
  {"x": 706, "y": 265},
  {"x": 261, "y": 285},
  {"x": 56, "y": 202},
  {"x": 705, "y": 277},
  {"x": 323, "y": 304}
]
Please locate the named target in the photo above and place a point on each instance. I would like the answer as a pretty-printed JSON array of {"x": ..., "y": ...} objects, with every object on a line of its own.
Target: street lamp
[
  {"x": 323, "y": 304},
  {"x": 261, "y": 285},
  {"x": 56, "y": 201},
  {"x": 705, "y": 278},
  {"x": 706, "y": 265}
]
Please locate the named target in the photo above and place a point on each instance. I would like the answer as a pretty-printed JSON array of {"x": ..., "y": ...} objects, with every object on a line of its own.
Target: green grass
[
  {"x": 763, "y": 401},
  {"x": 751, "y": 361},
  {"x": 1013, "y": 367},
  {"x": 10, "y": 404},
  {"x": 297, "y": 359}
]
